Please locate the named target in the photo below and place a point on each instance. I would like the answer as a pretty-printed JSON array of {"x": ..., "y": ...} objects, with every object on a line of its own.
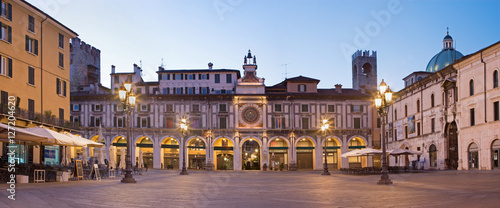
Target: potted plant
[
  {"x": 282, "y": 165},
  {"x": 264, "y": 167}
]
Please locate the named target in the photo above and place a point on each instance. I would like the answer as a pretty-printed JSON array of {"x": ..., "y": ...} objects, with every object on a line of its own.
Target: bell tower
[{"x": 364, "y": 70}]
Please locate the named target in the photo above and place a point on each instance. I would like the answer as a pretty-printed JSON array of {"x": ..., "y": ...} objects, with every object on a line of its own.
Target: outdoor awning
[
  {"x": 55, "y": 137},
  {"x": 86, "y": 142},
  {"x": 21, "y": 135}
]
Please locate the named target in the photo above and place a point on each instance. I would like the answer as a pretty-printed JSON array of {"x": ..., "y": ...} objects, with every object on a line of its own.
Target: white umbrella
[
  {"x": 68, "y": 155},
  {"x": 351, "y": 153},
  {"x": 22, "y": 135},
  {"x": 101, "y": 156},
  {"x": 122, "y": 158},
  {"x": 369, "y": 151},
  {"x": 112, "y": 163},
  {"x": 141, "y": 160},
  {"x": 404, "y": 152},
  {"x": 84, "y": 155},
  {"x": 55, "y": 137},
  {"x": 82, "y": 140}
]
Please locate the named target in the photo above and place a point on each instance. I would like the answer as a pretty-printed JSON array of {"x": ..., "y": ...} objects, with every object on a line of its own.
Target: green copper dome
[{"x": 445, "y": 57}]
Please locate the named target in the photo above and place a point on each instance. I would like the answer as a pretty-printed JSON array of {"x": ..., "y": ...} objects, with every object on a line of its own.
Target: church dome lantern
[{"x": 444, "y": 58}]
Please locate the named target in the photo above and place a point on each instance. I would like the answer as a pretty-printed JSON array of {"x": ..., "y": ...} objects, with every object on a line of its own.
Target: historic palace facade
[{"x": 235, "y": 122}]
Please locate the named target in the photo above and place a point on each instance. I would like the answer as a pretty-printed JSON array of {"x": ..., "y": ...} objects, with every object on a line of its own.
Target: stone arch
[
  {"x": 169, "y": 137},
  {"x": 338, "y": 140},
  {"x": 146, "y": 136},
  {"x": 248, "y": 138},
  {"x": 367, "y": 68},
  {"x": 358, "y": 136},
  {"x": 306, "y": 137},
  {"x": 221, "y": 137},
  {"x": 196, "y": 137},
  {"x": 279, "y": 137}
]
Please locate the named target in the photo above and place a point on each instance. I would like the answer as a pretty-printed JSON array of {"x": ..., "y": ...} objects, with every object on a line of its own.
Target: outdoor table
[{"x": 39, "y": 176}]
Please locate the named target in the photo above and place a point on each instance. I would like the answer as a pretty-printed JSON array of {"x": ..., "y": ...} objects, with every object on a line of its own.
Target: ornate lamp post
[
  {"x": 382, "y": 100},
  {"x": 324, "y": 127},
  {"x": 127, "y": 97},
  {"x": 184, "y": 128}
]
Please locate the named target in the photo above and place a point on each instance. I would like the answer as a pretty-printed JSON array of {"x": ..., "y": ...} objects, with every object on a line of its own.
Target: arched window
[
  {"x": 395, "y": 114},
  {"x": 471, "y": 87},
  {"x": 432, "y": 100},
  {"x": 367, "y": 68},
  {"x": 433, "y": 155},
  {"x": 495, "y": 79},
  {"x": 406, "y": 111},
  {"x": 418, "y": 106}
]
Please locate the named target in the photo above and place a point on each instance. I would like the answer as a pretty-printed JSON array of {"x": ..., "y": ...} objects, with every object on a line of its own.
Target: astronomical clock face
[{"x": 250, "y": 115}]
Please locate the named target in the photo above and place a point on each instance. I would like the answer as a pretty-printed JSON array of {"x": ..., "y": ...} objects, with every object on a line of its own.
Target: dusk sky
[{"x": 314, "y": 38}]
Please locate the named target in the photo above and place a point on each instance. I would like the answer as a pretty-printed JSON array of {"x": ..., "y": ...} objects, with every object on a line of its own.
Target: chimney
[
  {"x": 160, "y": 68},
  {"x": 112, "y": 69},
  {"x": 338, "y": 88},
  {"x": 363, "y": 89},
  {"x": 210, "y": 65}
]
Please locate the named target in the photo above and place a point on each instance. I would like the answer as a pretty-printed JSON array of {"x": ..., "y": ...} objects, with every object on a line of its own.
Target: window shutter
[
  {"x": 208, "y": 90},
  {"x": 27, "y": 43},
  {"x": 283, "y": 123},
  {"x": 93, "y": 107},
  {"x": 92, "y": 121},
  {"x": 208, "y": 76},
  {"x": 64, "y": 90},
  {"x": 160, "y": 76},
  {"x": 186, "y": 90},
  {"x": 305, "y": 88},
  {"x": 199, "y": 76},
  {"x": 138, "y": 122},
  {"x": 9, "y": 34},
  {"x": 36, "y": 46},
  {"x": 149, "y": 107},
  {"x": 58, "y": 86},
  {"x": 182, "y": 92},
  {"x": 199, "y": 90},
  {"x": 185, "y": 76},
  {"x": 114, "y": 121},
  {"x": 1, "y": 37},
  {"x": 71, "y": 107},
  {"x": 173, "y": 76},
  {"x": 149, "y": 122},
  {"x": 273, "y": 123},
  {"x": 79, "y": 107},
  {"x": 182, "y": 76},
  {"x": 10, "y": 67},
  {"x": 298, "y": 88},
  {"x": 168, "y": 90},
  {"x": 168, "y": 76},
  {"x": 10, "y": 11},
  {"x": 114, "y": 107}
]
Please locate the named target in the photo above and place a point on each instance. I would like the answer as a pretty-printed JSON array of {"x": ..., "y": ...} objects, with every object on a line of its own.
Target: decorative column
[{"x": 344, "y": 149}]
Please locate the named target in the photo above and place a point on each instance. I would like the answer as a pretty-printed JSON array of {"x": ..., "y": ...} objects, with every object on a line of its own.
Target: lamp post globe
[
  {"x": 382, "y": 100},
  {"x": 127, "y": 97},
  {"x": 324, "y": 127}
]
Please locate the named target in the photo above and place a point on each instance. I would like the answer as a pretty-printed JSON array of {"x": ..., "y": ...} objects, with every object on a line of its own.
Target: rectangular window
[
  {"x": 222, "y": 108},
  {"x": 61, "y": 59},
  {"x": 378, "y": 123},
  {"x": 144, "y": 107},
  {"x": 190, "y": 77},
  {"x": 61, "y": 40},
  {"x": 61, "y": 116},
  {"x": 302, "y": 88},
  {"x": 145, "y": 122},
  {"x": 223, "y": 122},
  {"x": 305, "y": 123},
  {"x": 196, "y": 108},
  {"x": 277, "y": 107},
  {"x": 31, "y": 23},
  {"x": 204, "y": 90},
  {"x": 278, "y": 122},
  {"x": 202, "y": 76},
  {"x": 166, "y": 77},
  {"x": 6, "y": 33},
  {"x": 217, "y": 78},
  {"x": 357, "y": 123},
  {"x": 496, "y": 111},
  {"x": 6, "y": 10},
  {"x": 31, "y": 109},
  {"x": 5, "y": 66},
  {"x": 229, "y": 78},
  {"x": 304, "y": 108},
  {"x": 31, "y": 45},
  {"x": 75, "y": 107},
  {"x": 178, "y": 77},
  {"x": 60, "y": 87},
  {"x": 117, "y": 79},
  {"x": 331, "y": 108},
  {"x": 166, "y": 91},
  {"x": 178, "y": 90},
  {"x": 170, "y": 108},
  {"x": 190, "y": 90},
  {"x": 98, "y": 108},
  {"x": 418, "y": 129},
  {"x": 119, "y": 122},
  {"x": 472, "y": 117},
  {"x": 433, "y": 125},
  {"x": 195, "y": 123},
  {"x": 356, "y": 108},
  {"x": 169, "y": 123},
  {"x": 406, "y": 132}
]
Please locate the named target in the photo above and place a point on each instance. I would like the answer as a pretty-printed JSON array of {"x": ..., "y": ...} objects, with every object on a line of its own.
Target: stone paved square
[{"x": 161, "y": 188}]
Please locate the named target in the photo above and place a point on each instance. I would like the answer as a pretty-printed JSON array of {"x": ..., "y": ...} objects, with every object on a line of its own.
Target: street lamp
[
  {"x": 324, "y": 127},
  {"x": 127, "y": 97},
  {"x": 184, "y": 128},
  {"x": 382, "y": 100}
]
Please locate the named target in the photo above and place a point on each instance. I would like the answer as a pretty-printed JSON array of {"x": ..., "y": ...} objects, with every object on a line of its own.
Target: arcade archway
[
  {"x": 250, "y": 155},
  {"x": 196, "y": 150},
  {"x": 473, "y": 153},
  {"x": 146, "y": 145},
  {"x": 332, "y": 150},
  {"x": 495, "y": 154},
  {"x": 170, "y": 153},
  {"x": 305, "y": 154},
  {"x": 120, "y": 143},
  {"x": 223, "y": 152},
  {"x": 357, "y": 162},
  {"x": 278, "y": 152}
]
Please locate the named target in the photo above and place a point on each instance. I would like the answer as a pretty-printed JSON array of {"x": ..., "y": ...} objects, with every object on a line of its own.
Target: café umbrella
[{"x": 122, "y": 158}]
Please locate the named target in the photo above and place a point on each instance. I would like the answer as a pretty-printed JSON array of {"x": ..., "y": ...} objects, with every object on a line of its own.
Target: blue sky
[{"x": 315, "y": 38}]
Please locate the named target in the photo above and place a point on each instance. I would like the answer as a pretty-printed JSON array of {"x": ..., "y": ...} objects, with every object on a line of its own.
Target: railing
[{"x": 45, "y": 119}]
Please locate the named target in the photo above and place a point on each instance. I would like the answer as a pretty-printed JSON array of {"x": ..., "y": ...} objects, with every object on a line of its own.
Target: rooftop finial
[{"x": 447, "y": 31}]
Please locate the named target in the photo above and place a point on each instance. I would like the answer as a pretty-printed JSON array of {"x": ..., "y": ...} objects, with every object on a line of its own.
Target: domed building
[{"x": 445, "y": 57}]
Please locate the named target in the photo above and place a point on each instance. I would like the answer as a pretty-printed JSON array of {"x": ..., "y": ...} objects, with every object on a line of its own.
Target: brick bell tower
[{"x": 364, "y": 70}]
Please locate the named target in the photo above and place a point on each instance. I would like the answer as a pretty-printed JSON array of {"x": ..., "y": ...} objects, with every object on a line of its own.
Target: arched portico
[
  {"x": 170, "y": 153},
  {"x": 305, "y": 153},
  {"x": 333, "y": 146},
  {"x": 278, "y": 152},
  {"x": 223, "y": 153},
  {"x": 196, "y": 153},
  {"x": 251, "y": 153},
  {"x": 145, "y": 144},
  {"x": 357, "y": 142}
]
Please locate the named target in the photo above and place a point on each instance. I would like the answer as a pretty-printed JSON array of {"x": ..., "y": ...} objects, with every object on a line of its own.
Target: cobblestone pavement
[{"x": 162, "y": 188}]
